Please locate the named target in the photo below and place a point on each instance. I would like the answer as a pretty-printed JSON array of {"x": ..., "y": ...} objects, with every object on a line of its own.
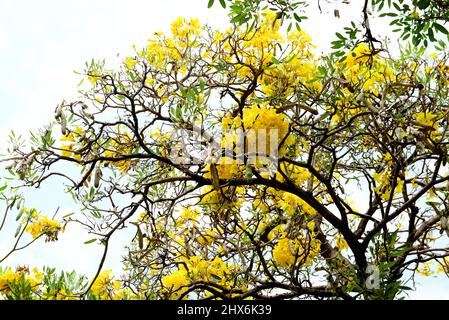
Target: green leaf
[
  {"x": 19, "y": 215},
  {"x": 423, "y": 4},
  {"x": 431, "y": 35},
  {"x": 91, "y": 192},
  {"x": 96, "y": 214},
  {"x": 68, "y": 215},
  {"x": 211, "y": 3},
  {"x": 202, "y": 84},
  {"x": 419, "y": 27},
  {"x": 337, "y": 44},
  {"x": 386, "y": 266},
  {"x": 405, "y": 288},
  {"x": 440, "y": 28},
  {"x": 339, "y": 35},
  {"x": 416, "y": 40},
  {"x": 223, "y": 3},
  {"x": 19, "y": 228},
  {"x": 90, "y": 241},
  {"x": 388, "y": 14},
  {"x": 275, "y": 60}
]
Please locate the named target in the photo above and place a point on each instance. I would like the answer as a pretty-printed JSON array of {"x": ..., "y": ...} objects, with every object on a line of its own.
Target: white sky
[{"x": 43, "y": 42}]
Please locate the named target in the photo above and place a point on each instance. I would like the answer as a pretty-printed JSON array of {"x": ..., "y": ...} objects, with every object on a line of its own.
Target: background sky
[{"x": 43, "y": 42}]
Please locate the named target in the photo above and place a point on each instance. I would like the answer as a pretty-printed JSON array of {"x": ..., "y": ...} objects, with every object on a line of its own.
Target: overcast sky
[{"x": 43, "y": 42}]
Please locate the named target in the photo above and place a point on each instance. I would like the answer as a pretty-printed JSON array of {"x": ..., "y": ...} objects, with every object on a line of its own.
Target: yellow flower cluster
[
  {"x": 223, "y": 199},
  {"x": 174, "y": 282},
  {"x": 260, "y": 125},
  {"x": 207, "y": 237},
  {"x": 360, "y": 55},
  {"x": 9, "y": 277},
  {"x": 298, "y": 69},
  {"x": 341, "y": 243},
  {"x": 94, "y": 77},
  {"x": 38, "y": 225},
  {"x": 182, "y": 28},
  {"x": 383, "y": 184},
  {"x": 195, "y": 269},
  {"x": 425, "y": 269},
  {"x": 443, "y": 71},
  {"x": 290, "y": 203},
  {"x": 130, "y": 62},
  {"x": 362, "y": 67},
  {"x": 257, "y": 49},
  {"x": 101, "y": 285},
  {"x": 163, "y": 49},
  {"x": 16, "y": 282},
  {"x": 285, "y": 252},
  {"x": 288, "y": 252},
  {"x": 227, "y": 168},
  {"x": 106, "y": 288},
  {"x": 120, "y": 145},
  {"x": 70, "y": 142},
  {"x": 208, "y": 270},
  {"x": 427, "y": 120},
  {"x": 189, "y": 214},
  {"x": 264, "y": 117}
]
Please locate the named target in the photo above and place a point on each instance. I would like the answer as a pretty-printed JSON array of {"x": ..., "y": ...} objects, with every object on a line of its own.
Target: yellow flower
[
  {"x": 189, "y": 215},
  {"x": 173, "y": 282},
  {"x": 207, "y": 238},
  {"x": 336, "y": 118},
  {"x": 93, "y": 77},
  {"x": 68, "y": 149},
  {"x": 289, "y": 203},
  {"x": 427, "y": 119},
  {"x": 341, "y": 243},
  {"x": 42, "y": 225},
  {"x": 424, "y": 269},
  {"x": 414, "y": 15},
  {"x": 121, "y": 144},
  {"x": 36, "y": 278},
  {"x": 291, "y": 251},
  {"x": 359, "y": 55},
  {"x": 103, "y": 284},
  {"x": 181, "y": 27},
  {"x": 130, "y": 62},
  {"x": 276, "y": 232},
  {"x": 284, "y": 252},
  {"x": 149, "y": 81},
  {"x": 227, "y": 168},
  {"x": 311, "y": 225}
]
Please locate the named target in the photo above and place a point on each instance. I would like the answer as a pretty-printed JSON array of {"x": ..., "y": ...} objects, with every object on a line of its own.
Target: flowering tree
[
  {"x": 421, "y": 21},
  {"x": 238, "y": 158}
]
